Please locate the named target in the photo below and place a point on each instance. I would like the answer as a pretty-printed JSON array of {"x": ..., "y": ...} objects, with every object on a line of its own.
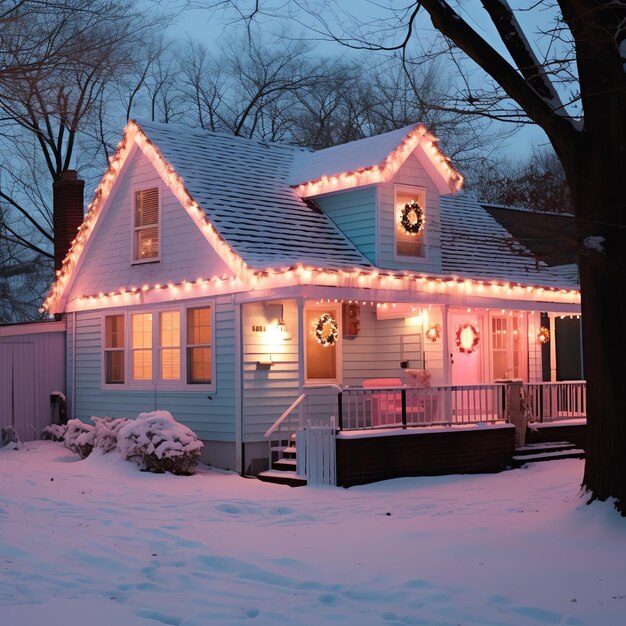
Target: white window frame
[
  {"x": 420, "y": 194},
  {"x": 106, "y": 350},
  {"x": 157, "y": 382},
  {"x": 133, "y": 231},
  {"x": 336, "y": 310}
]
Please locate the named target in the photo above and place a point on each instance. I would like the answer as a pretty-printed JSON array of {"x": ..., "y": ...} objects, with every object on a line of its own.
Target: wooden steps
[
  {"x": 283, "y": 471},
  {"x": 539, "y": 452}
]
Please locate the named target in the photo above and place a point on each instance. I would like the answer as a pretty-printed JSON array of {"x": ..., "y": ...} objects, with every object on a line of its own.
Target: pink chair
[{"x": 386, "y": 405}]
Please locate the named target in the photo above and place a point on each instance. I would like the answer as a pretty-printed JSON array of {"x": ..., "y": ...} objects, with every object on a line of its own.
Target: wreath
[
  {"x": 326, "y": 330},
  {"x": 543, "y": 336},
  {"x": 433, "y": 333},
  {"x": 412, "y": 218},
  {"x": 461, "y": 338}
]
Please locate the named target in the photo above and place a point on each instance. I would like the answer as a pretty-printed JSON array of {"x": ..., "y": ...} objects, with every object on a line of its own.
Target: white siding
[
  {"x": 268, "y": 392},
  {"x": 185, "y": 252},
  {"x": 210, "y": 414},
  {"x": 411, "y": 174}
]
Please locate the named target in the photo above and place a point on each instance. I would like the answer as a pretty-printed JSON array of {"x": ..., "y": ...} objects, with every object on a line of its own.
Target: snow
[{"x": 99, "y": 542}]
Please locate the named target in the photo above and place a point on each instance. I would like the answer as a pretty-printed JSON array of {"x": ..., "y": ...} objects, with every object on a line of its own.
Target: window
[
  {"x": 141, "y": 346},
  {"x": 114, "y": 349},
  {"x": 146, "y": 235},
  {"x": 508, "y": 356},
  {"x": 165, "y": 346},
  {"x": 409, "y": 244},
  {"x": 321, "y": 361},
  {"x": 199, "y": 345},
  {"x": 169, "y": 344}
]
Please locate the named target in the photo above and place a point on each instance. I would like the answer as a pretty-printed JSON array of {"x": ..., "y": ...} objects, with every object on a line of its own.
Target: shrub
[
  {"x": 54, "y": 432},
  {"x": 107, "y": 429},
  {"x": 158, "y": 443},
  {"x": 79, "y": 438}
]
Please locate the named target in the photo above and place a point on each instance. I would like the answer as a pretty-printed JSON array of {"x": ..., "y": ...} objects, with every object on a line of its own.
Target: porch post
[
  {"x": 551, "y": 317},
  {"x": 300, "y": 302},
  {"x": 445, "y": 344}
]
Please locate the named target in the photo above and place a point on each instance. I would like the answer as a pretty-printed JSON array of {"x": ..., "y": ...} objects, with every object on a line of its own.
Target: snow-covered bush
[
  {"x": 79, "y": 438},
  {"x": 54, "y": 432},
  {"x": 107, "y": 429},
  {"x": 158, "y": 443}
]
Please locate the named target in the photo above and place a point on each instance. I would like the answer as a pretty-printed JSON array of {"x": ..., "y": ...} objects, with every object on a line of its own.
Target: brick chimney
[{"x": 67, "y": 215}]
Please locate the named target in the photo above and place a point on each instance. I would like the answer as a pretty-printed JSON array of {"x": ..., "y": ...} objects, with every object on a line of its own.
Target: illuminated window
[
  {"x": 408, "y": 243},
  {"x": 114, "y": 349},
  {"x": 321, "y": 360},
  {"x": 169, "y": 344},
  {"x": 199, "y": 364},
  {"x": 146, "y": 236},
  {"x": 141, "y": 346}
]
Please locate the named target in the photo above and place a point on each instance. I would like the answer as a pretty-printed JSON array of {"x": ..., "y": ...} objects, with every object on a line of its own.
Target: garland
[
  {"x": 543, "y": 336},
  {"x": 412, "y": 218},
  {"x": 329, "y": 339},
  {"x": 461, "y": 347},
  {"x": 433, "y": 333}
]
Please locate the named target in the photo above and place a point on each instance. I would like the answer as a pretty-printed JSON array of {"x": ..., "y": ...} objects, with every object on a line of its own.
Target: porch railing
[
  {"x": 365, "y": 408},
  {"x": 551, "y": 402}
]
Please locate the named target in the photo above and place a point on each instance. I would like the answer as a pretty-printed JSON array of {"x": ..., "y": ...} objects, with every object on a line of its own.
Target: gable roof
[
  {"x": 473, "y": 243},
  {"x": 372, "y": 160},
  {"x": 237, "y": 192}
]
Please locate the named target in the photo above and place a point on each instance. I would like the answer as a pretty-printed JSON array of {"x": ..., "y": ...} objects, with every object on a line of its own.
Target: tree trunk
[{"x": 597, "y": 181}]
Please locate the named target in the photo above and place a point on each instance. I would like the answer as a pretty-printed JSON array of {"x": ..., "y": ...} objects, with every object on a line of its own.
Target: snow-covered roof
[
  {"x": 242, "y": 186},
  {"x": 473, "y": 243},
  {"x": 347, "y": 157}
]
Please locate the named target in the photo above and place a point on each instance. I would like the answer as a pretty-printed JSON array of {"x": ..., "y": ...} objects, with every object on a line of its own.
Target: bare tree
[
  {"x": 536, "y": 183},
  {"x": 57, "y": 61}
]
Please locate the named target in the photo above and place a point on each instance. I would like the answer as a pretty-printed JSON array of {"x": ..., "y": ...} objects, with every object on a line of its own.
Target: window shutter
[{"x": 147, "y": 207}]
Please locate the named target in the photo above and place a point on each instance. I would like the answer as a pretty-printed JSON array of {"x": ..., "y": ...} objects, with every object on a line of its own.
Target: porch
[{"x": 352, "y": 435}]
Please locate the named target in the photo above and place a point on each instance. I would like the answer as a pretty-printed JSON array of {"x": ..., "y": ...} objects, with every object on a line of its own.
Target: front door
[{"x": 466, "y": 359}]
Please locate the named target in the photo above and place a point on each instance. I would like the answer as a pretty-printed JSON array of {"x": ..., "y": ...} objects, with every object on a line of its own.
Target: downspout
[
  {"x": 239, "y": 445},
  {"x": 73, "y": 414}
]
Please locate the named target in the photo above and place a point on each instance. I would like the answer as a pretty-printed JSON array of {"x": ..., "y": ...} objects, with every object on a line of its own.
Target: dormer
[{"x": 383, "y": 193}]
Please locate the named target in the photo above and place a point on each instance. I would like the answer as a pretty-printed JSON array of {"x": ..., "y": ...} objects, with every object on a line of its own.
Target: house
[{"x": 250, "y": 287}]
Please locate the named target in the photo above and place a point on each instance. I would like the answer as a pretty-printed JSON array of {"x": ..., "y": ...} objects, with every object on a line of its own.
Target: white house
[{"x": 226, "y": 280}]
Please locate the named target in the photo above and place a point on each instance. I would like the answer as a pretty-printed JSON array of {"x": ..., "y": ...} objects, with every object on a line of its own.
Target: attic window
[{"x": 146, "y": 228}]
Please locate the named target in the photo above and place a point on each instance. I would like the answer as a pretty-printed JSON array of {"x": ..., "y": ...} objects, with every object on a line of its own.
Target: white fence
[{"x": 316, "y": 455}]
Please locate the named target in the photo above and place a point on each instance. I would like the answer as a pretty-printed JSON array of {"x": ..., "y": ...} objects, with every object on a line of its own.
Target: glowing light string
[
  {"x": 134, "y": 135},
  {"x": 383, "y": 172}
]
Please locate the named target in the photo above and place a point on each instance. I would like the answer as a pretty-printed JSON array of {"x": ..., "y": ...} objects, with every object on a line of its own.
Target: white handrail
[{"x": 295, "y": 403}]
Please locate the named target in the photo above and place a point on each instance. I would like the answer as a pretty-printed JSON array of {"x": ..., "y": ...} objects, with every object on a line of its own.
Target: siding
[
  {"x": 354, "y": 212},
  {"x": 31, "y": 368},
  {"x": 212, "y": 419},
  {"x": 185, "y": 252},
  {"x": 268, "y": 392},
  {"x": 412, "y": 174}
]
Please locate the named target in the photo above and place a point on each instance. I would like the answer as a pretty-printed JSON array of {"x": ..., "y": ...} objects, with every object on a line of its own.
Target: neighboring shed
[{"x": 32, "y": 358}]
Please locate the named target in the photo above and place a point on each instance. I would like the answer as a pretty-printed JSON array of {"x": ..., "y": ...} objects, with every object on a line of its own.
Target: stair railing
[{"x": 281, "y": 433}]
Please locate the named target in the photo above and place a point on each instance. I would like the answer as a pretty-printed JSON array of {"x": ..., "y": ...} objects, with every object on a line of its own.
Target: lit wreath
[
  {"x": 331, "y": 338},
  {"x": 543, "y": 336},
  {"x": 412, "y": 218},
  {"x": 475, "y": 338},
  {"x": 433, "y": 333}
]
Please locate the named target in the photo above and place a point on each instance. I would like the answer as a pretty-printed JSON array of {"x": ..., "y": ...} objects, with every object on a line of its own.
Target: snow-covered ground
[{"x": 97, "y": 542}]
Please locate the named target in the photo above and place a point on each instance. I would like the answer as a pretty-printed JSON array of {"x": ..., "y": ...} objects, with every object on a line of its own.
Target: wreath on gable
[
  {"x": 412, "y": 218},
  {"x": 326, "y": 330},
  {"x": 467, "y": 338}
]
